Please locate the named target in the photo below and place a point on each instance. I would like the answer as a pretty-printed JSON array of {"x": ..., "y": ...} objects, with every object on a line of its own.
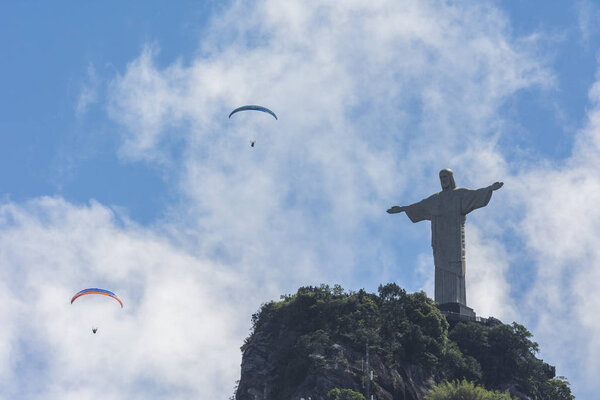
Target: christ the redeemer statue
[{"x": 447, "y": 212}]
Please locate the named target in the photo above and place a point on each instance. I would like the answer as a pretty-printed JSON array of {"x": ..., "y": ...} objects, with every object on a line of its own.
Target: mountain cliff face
[{"x": 322, "y": 338}]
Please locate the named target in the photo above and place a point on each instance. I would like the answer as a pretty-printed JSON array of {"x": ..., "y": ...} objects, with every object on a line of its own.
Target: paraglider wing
[
  {"x": 96, "y": 291},
  {"x": 254, "y": 108}
]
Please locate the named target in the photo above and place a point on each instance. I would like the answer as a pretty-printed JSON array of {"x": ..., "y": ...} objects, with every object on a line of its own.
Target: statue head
[{"x": 447, "y": 179}]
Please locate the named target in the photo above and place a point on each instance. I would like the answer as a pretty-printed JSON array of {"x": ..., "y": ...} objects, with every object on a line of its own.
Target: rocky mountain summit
[{"x": 391, "y": 345}]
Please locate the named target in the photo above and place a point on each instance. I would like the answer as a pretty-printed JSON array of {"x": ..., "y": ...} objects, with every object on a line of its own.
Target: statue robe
[{"x": 447, "y": 212}]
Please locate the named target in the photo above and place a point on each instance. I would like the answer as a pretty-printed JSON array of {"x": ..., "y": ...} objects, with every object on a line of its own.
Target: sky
[{"x": 120, "y": 169}]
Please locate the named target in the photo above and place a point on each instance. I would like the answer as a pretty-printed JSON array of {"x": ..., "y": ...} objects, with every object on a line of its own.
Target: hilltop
[{"x": 322, "y": 338}]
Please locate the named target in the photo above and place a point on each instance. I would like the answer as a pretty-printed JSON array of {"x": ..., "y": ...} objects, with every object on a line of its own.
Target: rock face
[
  {"x": 264, "y": 373},
  {"x": 321, "y": 338}
]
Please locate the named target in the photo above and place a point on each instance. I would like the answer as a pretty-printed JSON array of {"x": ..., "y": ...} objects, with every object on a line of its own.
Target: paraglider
[
  {"x": 96, "y": 291},
  {"x": 253, "y": 108},
  {"x": 103, "y": 292}
]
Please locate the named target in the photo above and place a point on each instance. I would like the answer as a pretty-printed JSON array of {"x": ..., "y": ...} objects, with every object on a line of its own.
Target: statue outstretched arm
[
  {"x": 396, "y": 209},
  {"x": 419, "y": 211},
  {"x": 496, "y": 186}
]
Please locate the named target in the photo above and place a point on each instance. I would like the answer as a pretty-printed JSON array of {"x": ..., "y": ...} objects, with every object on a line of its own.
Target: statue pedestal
[{"x": 457, "y": 311}]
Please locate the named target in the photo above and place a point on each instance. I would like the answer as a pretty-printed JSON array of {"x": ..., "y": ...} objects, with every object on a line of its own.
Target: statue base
[{"x": 458, "y": 312}]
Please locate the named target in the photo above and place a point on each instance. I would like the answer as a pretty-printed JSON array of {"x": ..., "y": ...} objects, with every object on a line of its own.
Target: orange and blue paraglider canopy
[{"x": 96, "y": 291}]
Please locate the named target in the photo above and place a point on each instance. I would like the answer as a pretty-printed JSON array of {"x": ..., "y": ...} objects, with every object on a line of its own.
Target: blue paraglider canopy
[{"x": 253, "y": 108}]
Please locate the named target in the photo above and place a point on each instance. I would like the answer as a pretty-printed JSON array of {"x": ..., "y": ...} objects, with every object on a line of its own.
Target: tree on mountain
[
  {"x": 344, "y": 394},
  {"x": 464, "y": 390}
]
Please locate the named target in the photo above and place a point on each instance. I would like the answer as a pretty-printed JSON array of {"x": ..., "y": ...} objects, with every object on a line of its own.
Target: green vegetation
[
  {"x": 401, "y": 329},
  {"x": 557, "y": 388},
  {"x": 344, "y": 394},
  {"x": 464, "y": 390},
  {"x": 505, "y": 353}
]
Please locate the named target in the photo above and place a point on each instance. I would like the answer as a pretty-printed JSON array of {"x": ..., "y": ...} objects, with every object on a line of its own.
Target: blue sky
[
  {"x": 120, "y": 169},
  {"x": 51, "y": 53}
]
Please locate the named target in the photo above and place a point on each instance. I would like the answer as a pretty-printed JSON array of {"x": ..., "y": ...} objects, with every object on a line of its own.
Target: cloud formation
[
  {"x": 178, "y": 333},
  {"x": 89, "y": 92},
  {"x": 559, "y": 225},
  {"x": 362, "y": 92}
]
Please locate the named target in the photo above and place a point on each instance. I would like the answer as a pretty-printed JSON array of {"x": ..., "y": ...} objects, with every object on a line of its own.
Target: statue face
[{"x": 445, "y": 180}]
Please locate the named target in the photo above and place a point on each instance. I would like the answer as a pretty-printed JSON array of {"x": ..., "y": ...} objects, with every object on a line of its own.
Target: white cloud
[
  {"x": 587, "y": 17},
  {"x": 426, "y": 270},
  {"x": 89, "y": 92},
  {"x": 488, "y": 288},
  {"x": 179, "y": 332},
  {"x": 362, "y": 92},
  {"x": 559, "y": 227}
]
